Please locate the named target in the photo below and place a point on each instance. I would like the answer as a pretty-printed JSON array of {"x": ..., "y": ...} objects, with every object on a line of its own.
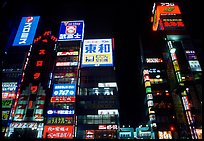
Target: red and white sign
[
  {"x": 8, "y": 95},
  {"x": 67, "y": 53},
  {"x": 61, "y": 131},
  {"x": 108, "y": 127},
  {"x": 102, "y": 127},
  {"x": 63, "y": 99},
  {"x": 154, "y": 60},
  {"x": 66, "y": 63}
]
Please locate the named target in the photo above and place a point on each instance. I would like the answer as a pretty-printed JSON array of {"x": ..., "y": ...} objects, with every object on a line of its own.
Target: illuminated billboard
[
  {"x": 60, "y": 120},
  {"x": 164, "y": 9},
  {"x": 111, "y": 111},
  {"x": 97, "y": 52},
  {"x": 60, "y": 131},
  {"x": 195, "y": 65},
  {"x": 63, "y": 99},
  {"x": 71, "y": 30},
  {"x": 60, "y": 112},
  {"x": 5, "y": 115},
  {"x": 26, "y": 31},
  {"x": 9, "y": 86},
  {"x": 7, "y": 103},
  {"x": 154, "y": 60},
  {"x": 64, "y": 90}
]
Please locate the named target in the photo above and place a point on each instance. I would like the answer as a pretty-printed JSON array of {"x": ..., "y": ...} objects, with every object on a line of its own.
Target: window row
[{"x": 97, "y": 91}]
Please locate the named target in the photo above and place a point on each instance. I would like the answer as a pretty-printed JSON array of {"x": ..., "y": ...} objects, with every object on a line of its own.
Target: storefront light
[{"x": 172, "y": 50}]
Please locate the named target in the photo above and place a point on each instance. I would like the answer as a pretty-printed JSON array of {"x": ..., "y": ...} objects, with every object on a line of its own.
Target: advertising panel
[
  {"x": 7, "y": 103},
  {"x": 164, "y": 9},
  {"x": 89, "y": 134},
  {"x": 71, "y": 30},
  {"x": 63, "y": 99},
  {"x": 108, "y": 127},
  {"x": 112, "y": 111},
  {"x": 67, "y": 53},
  {"x": 5, "y": 115},
  {"x": 8, "y": 95},
  {"x": 195, "y": 65},
  {"x": 66, "y": 63},
  {"x": 60, "y": 112},
  {"x": 26, "y": 31},
  {"x": 164, "y": 135},
  {"x": 64, "y": 90},
  {"x": 190, "y": 54},
  {"x": 172, "y": 24},
  {"x": 60, "y": 120},
  {"x": 154, "y": 60},
  {"x": 65, "y": 75},
  {"x": 9, "y": 86},
  {"x": 61, "y": 131},
  {"x": 97, "y": 52}
]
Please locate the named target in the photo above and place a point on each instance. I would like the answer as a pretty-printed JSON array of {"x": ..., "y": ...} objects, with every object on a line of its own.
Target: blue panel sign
[
  {"x": 64, "y": 90},
  {"x": 71, "y": 30},
  {"x": 26, "y": 31},
  {"x": 60, "y": 112}
]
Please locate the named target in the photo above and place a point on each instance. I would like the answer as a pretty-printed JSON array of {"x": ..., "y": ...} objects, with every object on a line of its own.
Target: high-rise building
[
  {"x": 172, "y": 76},
  {"x": 97, "y": 102}
]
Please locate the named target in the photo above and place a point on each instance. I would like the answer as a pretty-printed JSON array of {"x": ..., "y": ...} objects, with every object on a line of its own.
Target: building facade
[
  {"x": 56, "y": 90},
  {"x": 180, "y": 74}
]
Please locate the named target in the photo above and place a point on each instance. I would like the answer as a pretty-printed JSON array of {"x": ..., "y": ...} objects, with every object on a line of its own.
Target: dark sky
[{"x": 123, "y": 20}]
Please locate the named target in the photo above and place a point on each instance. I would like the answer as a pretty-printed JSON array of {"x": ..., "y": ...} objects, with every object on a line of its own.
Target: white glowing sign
[
  {"x": 97, "y": 52},
  {"x": 115, "y": 112},
  {"x": 154, "y": 60},
  {"x": 108, "y": 84},
  {"x": 66, "y": 63},
  {"x": 67, "y": 53}
]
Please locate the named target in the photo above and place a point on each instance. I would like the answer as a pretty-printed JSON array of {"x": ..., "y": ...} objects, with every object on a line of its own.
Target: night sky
[{"x": 122, "y": 20}]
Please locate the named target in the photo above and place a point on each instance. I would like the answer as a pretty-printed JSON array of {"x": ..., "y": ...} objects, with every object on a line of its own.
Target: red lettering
[
  {"x": 36, "y": 75},
  {"x": 39, "y": 63},
  {"x": 33, "y": 89},
  {"x": 42, "y": 51}
]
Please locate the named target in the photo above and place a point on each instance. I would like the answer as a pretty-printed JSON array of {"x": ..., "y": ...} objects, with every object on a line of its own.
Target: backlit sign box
[
  {"x": 63, "y": 99},
  {"x": 60, "y": 112},
  {"x": 97, "y": 52},
  {"x": 60, "y": 131},
  {"x": 64, "y": 90},
  {"x": 60, "y": 120},
  {"x": 9, "y": 86},
  {"x": 5, "y": 115},
  {"x": 26, "y": 31},
  {"x": 71, "y": 30},
  {"x": 7, "y": 103}
]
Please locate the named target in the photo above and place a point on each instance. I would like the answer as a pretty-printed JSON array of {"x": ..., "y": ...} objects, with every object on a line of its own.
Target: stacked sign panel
[{"x": 60, "y": 121}]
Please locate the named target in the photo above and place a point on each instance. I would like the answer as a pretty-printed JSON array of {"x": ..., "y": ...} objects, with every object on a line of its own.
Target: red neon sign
[
  {"x": 63, "y": 99},
  {"x": 41, "y": 51},
  {"x": 61, "y": 131},
  {"x": 39, "y": 63},
  {"x": 36, "y": 75}
]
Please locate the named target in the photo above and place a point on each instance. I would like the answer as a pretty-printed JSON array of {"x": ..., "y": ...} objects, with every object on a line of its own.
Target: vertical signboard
[
  {"x": 26, "y": 31},
  {"x": 97, "y": 52},
  {"x": 71, "y": 30}
]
